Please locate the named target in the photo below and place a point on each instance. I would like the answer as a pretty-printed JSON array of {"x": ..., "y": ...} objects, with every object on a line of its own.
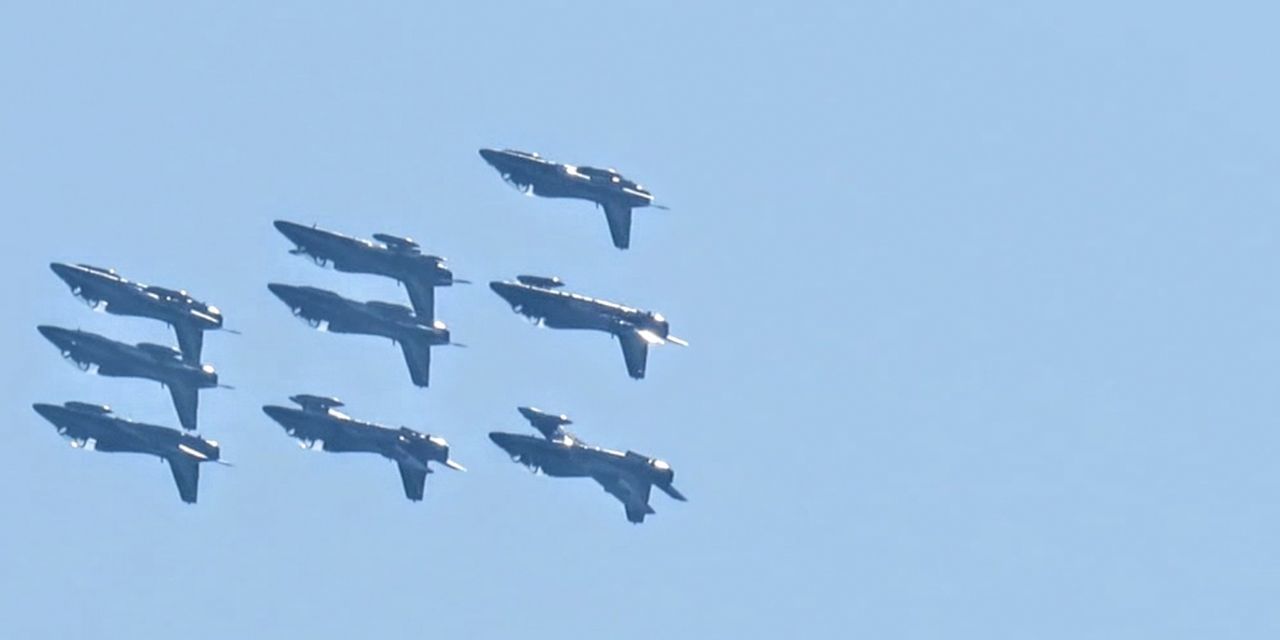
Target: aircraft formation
[{"x": 316, "y": 421}]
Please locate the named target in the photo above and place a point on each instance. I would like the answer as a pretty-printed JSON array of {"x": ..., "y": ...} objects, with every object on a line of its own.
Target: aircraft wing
[
  {"x": 635, "y": 350},
  {"x": 619, "y": 217},
  {"x": 535, "y": 453},
  {"x": 414, "y": 480},
  {"x": 118, "y": 369},
  {"x": 417, "y": 354},
  {"x": 190, "y": 341},
  {"x": 633, "y": 493},
  {"x": 335, "y": 441},
  {"x": 423, "y": 298},
  {"x": 187, "y": 401},
  {"x": 186, "y": 474},
  {"x": 114, "y": 442}
]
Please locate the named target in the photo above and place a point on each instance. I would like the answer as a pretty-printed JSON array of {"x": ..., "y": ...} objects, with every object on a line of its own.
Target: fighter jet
[
  {"x": 93, "y": 426},
  {"x": 627, "y": 476},
  {"x": 319, "y": 421},
  {"x": 390, "y": 256},
  {"x": 535, "y": 175},
  {"x": 107, "y": 290},
  {"x": 145, "y": 360},
  {"x": 541, "y": 299},
  {"x": 326, "y": 310}
]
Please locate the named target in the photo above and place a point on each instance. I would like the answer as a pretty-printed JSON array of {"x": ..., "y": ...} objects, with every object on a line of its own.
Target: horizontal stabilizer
[{"x": 671, "y": 491}]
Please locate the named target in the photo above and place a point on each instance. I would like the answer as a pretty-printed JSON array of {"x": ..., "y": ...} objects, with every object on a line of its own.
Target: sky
[{"x": 980, "y": 297}]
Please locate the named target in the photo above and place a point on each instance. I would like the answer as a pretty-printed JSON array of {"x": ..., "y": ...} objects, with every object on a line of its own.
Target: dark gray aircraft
[
  {"x": 541, "y": 299},
  {"x": 625, "y": 475},
  {"x": 107, "y": 290},
  {"x": 145, "y": 360},
  {"x": 535, "y": 175},
  {"x": 326, "y": 310},
  {"x": 319, "y": 421},
  {"x": 94, "y": 426},
  {"x": 390, "y": 256}
]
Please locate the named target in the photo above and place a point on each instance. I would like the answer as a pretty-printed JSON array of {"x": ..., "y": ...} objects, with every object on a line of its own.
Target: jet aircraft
[
  {"x": 109, "y": 291},
  {"x": 145, "y": 360},
  {"x": 95, "y": 426},
  {"x": 627, "y": 476},
  {"x": 326, "y": 310},
  {"x": 536, "y": 175},
  {"x": 541, "y": 299},
  {"x": 386, "y": 255},
  {"x": 319, "y": 421}
]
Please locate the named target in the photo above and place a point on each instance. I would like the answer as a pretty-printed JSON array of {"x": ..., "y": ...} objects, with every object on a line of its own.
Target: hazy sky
[{"x": 981, "y": 299}]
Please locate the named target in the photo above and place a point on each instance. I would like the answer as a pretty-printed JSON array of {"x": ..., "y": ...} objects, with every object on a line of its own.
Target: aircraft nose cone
[
  {"x": 503, "y": 289},
  {"x": 291, "y": 230},
  {"x": 67, "y": 272},
  {"x": 56, "y": 335},
  {"x": 281, "y": 415},
  {"x": 282, "y": 291},
  {"x": 503, "y": 440},
  {"x": 46, "y": 411},
  {"x": 490, "y": 155}
]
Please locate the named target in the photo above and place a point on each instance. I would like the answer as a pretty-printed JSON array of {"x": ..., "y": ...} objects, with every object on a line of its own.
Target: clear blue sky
[{"x": 981, "y": 297}]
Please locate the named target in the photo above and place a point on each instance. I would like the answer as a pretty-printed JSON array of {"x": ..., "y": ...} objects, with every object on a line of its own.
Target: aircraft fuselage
[
  {"x": 338, "y": 433},
  {"x": 113, "y": 434},
  {"x": 356, "y": 255},
  {"x": 118, "y": 359},
  {"x": 565, "y": 310},
  {"x": 122, "y": 297},
  {"x": 560, "y": 180},
  {"x": 342, "y": 315},
  {"x": 565, "y": 456},
  {"x": 411, "y": 450}
]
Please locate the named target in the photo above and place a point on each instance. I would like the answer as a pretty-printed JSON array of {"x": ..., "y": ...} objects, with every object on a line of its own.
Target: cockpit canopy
[
  {"x": 599, "y": 173},
  {"x": 110, "y": 272},
  {"x": 397, "y": 243},
  {"x": 160, "y": 351},
  {"x": 390, "y": 309},
  {"x": 541, "y": 281},
  {"x": 169, "y": 293},
  {"x": 88, "y": 407}
]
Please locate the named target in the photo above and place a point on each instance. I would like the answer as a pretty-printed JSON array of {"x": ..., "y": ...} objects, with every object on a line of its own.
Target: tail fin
[
  {"x": 619, "y": 217},
  {"x": 414, "y": 480}
]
